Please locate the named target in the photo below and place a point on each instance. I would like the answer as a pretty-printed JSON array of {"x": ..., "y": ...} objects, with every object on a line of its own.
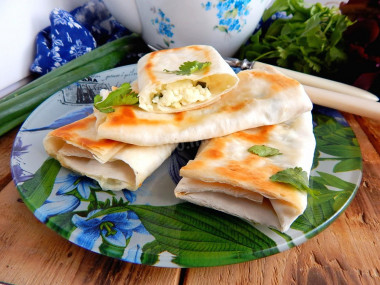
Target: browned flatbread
[
  {"x": 154, "y": 79},
  {"x": 115, "y": 165},
  {"x": 227, "y": 161},
  {"x": 261, "y": 98}
]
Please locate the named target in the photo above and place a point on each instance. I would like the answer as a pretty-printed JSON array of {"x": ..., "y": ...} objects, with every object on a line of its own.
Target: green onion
[
  {"x": 15, "y": 106},
  {"x": 13, "y": 123}
]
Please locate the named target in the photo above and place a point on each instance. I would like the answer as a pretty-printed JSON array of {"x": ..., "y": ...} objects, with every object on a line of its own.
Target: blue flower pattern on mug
[
  {"x": 230, "y": 14},
  {"x": 164, "y": 26}
]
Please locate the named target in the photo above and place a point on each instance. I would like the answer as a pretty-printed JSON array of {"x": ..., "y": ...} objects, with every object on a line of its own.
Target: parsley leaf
[
  {"x": 263, "y": 150},
  {"x": 293, "y": 176},
  {"x": 308, "y": 39},
  {"x": 190, "y": 67},
  {"x": 121, "y": 96}
]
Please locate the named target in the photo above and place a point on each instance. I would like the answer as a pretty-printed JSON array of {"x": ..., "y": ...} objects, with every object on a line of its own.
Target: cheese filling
[
  {"x": 104, "y": 93},
  {"x": 180, "y": 93}
]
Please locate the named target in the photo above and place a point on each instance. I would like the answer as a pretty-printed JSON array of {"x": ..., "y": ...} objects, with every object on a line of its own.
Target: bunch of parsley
[{"x": 309, "y": 39}]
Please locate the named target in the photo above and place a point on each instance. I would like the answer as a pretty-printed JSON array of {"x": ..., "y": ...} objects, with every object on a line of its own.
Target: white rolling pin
[
  {"x": 307, "y": 79},
  {"x": 327, "y": 84},
  {"x": 326, "y": 92},
  {"x": 342, "y": 102}
]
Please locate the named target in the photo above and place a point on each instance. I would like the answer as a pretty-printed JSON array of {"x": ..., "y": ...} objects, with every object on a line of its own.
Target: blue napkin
[{"x": 72, "y": 34}]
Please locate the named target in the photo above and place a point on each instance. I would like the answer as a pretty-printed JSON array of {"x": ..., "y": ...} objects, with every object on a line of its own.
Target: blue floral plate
[{"x": 150, "y": 226}]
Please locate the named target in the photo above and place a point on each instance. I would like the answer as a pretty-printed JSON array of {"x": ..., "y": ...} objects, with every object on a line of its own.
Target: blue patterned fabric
[{"x": 72, "y": 34}]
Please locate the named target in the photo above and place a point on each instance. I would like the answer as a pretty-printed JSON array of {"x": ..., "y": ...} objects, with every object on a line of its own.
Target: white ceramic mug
[{"x": 223, "y": 24}]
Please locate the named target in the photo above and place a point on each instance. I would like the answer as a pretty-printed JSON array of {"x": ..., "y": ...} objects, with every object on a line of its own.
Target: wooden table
[{"x": 347, "y": 252}]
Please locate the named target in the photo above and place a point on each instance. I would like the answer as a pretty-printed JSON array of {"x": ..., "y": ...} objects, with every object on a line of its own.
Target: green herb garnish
[
  {"x": 121, "y": 96},
  {"x": 190, "y": 67},
  {"x": 263, "y": 150},
  {"x": 293, "y": 176},
  {"x": 309, "y": 40}
]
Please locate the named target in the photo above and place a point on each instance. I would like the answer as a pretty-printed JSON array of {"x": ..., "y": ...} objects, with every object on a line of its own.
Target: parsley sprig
[
  {"x": 309, "y": 39},
  {"x": 190, "y": 67},
  {"x": 121, "y": 96},
  {"x": 263, "y": 150},
  {"x": 293, "y": 176}
]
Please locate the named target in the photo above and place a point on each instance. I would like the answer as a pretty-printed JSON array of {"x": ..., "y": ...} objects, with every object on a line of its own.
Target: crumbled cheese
[
  {"x": 180, "y": 93},
  {"x": 104, "y": 93}
]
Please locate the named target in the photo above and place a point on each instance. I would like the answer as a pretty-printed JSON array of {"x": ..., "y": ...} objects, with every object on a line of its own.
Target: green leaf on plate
[
  {"x": 343, "y": 151},
  {"x": 36, "y": 190},
  {"x": 338, "y": 136},
  {"x": 109, "y": 204},
  {"x": 340, "y": 200},
  {"x": 315, "y": 159},
  {"x": 62, "y": 224},
  {"x": 112, "y": 250},
  {"x": 108, "y": 210},
  {"x": 324, "y": 203},
  {"x": 199, "y": 236},
  {"x": 315, "y": 215},
  {"x": 339, "y": 142},
  {"x": 151, "y": 251},
  {"x": 348, "y": 164},
  {"x": 286, "y": 237},
  {"x": 336, "y": 182}
]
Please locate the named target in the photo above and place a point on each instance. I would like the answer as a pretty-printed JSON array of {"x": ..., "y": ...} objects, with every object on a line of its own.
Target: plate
[{"x": 150, "y": 226}]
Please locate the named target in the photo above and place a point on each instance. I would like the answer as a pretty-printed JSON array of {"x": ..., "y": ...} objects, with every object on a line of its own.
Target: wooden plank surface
[
  {"x": 372, "y": 129},
  {"x": 6, "y": 143}
]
